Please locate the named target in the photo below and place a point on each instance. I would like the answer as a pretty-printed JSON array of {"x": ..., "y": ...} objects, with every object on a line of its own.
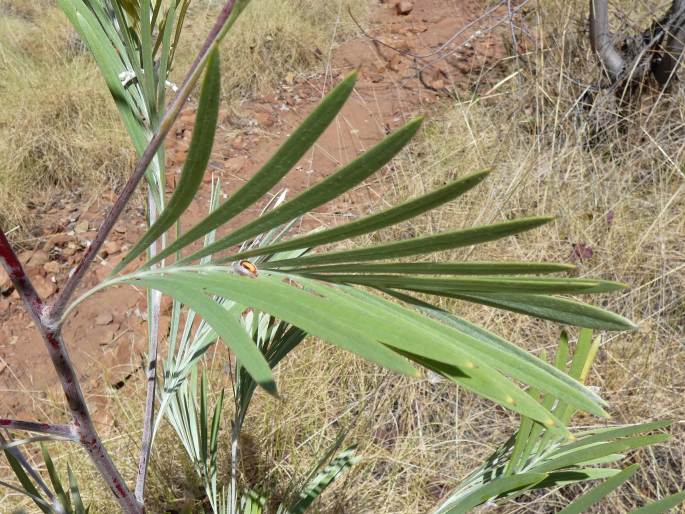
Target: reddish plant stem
[
  {"x": 21, "y": 282},
  {"x": 66, "y": 431},
  {"x": 83, "y": 424},
  {"x": 88, "y": 436}
]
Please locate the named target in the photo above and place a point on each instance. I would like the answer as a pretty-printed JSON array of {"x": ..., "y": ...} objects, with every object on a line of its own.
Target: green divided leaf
[
  {"x": 375, "y": 329},
  {"x": 420, "y": 245},
  {"x": 328, "y": 189},
  {"x": 290, "y": 152},
  {"x": 389, "y": 217}
]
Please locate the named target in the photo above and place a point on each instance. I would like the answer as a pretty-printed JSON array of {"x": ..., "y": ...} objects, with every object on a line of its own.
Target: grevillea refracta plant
[{"x": 261, "y": 289}]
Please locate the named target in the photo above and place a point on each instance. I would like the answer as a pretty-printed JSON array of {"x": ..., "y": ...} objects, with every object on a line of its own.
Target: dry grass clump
[
  {"x": 58, "y": 127},
  {"x": 271, "y": 39}
]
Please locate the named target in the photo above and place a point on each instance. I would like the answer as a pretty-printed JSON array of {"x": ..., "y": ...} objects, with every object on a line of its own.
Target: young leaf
[
  {"x": 195, "y": 165},
  {"x": 597, "y": 493}
]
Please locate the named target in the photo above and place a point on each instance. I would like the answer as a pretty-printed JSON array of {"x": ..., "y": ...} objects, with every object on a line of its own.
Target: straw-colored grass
[{"x": 58, "y": 127}]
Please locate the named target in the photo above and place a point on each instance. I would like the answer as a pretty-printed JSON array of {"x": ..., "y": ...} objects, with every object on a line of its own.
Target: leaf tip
[{"x": 270, "y": 387}]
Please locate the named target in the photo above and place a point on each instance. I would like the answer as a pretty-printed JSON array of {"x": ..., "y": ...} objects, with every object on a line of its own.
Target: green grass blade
[
  {"x": 610, "y": 434},
  {"x": 328, "y": 189},
  {"x": 420, "y": 245},
  {"x": 662, "y": 505},
  {"x": 434, "y": 268},
  {"x": 562, "y": 310},
  {"x": 75, "y": 493},
  {"x": 52, "y": 473},
  {"x": 195, "y": 165},
  {"x": 165, "y": 43},
  {"x": 389, "y": 217},
  {"x": 29, "y": 489},
  {"x": 596, "y": 494},
  {"x": 110, "y": 66},
  {"x": 147, "y": 79},
  {"x": 290, "y": 152},
  {"x": 470, "y": 285},
  {"x": 583, "y": 455},
  {"x": 323, "y": 480},
  {"x": 576, "y": 475},
  {"x": 493, "y": 489},
  {"x": 521, "y": 443}
]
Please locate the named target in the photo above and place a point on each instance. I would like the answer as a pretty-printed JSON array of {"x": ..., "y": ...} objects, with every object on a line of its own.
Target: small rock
[
  {"x": 57, "y": 240},
  {"x": 264, "y": 119},
  {"x": 238, "y": 143},
  {"x": 44, "y": 287},
  {"x": 235, "y": 164},
  {"x": 112, "y": 247},
  {"x": 81, "y": 227},
  {"x": 123, "y": 353},
  {"x": 25, "y": 257},
  {"x": 404, "y": 8},
  {"x": 39, "y": 258},
  {"x": 69, "y": 250},
  {"x": 51, "y": 267},
  {"x": 104, "y": 319},
  {"x": 5, "y": 282}
]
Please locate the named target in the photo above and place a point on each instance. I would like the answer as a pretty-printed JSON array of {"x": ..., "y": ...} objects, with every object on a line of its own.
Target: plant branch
[
  {"x": 672, "y": 55},
  {"x": 154, "y": 299},
  {"x": 600, "y": 38},
  {"x": 87, "y": 435},
  {"x": 64, "y": 431},
  {"x": 146, "y": 158},
  {"x": 19, "y": 278}
]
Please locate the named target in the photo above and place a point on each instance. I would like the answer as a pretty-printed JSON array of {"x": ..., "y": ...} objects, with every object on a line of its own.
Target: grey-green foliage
[
  {"x": 62, "y": 498},
  {"x": 535, "y": 458},
  {"x": 326, "y": 303}
]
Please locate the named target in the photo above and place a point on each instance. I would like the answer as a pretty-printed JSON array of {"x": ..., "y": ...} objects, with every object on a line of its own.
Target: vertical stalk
[
  {"x": 154, "y": 301},
  {"x": 600, "y": 38}
]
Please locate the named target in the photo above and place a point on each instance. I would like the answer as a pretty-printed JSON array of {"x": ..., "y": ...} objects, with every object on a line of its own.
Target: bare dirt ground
[{"x": 458, "y": 53}]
